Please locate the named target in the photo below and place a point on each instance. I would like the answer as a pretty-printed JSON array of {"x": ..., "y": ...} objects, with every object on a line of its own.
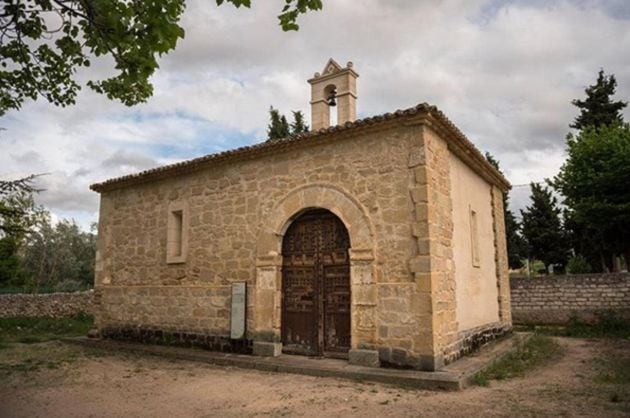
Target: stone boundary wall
[
  {"x": 55, "y": 305},
  {"x": 557, "y": 299}
]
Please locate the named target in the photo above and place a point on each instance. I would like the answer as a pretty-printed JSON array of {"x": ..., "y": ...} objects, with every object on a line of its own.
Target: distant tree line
[
  {"x": 590, "y": 232},
  {"x": 37, "y": 254}
]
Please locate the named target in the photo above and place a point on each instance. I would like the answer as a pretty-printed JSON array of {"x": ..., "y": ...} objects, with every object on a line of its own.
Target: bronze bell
[{"x": 331, "y": 99}]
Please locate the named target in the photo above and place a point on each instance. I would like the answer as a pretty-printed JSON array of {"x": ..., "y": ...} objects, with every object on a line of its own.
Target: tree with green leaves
[
  {"x": 594, "y": 182},
  {"x": 278, "y": 127},
  {"x": 516, "y": 246},
  {"x": 43, "y": 43},
  {"x": 59, "y": 256},
  {"x": 18, "y": 211},
  {"x": 298, "y": 126},
  {"x": 18, "y": 216},
  {"x": 542, "y": 228},
  {"x": 598, "y": 108},
  {"x": 587, "y": 243}
]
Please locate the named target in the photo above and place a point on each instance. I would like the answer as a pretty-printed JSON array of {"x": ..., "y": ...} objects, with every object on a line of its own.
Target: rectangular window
[
  {"x": 474, "y": 236},
  {"x": 177, "y": 233},
  {"x": 176, "y": 243}
]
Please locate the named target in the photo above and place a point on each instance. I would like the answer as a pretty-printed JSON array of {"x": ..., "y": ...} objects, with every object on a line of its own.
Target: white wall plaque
[{"x": 237, "y": 329}]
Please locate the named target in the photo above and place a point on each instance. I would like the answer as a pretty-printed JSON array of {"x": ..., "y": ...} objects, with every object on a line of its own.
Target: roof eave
[{"x": 420, "y": 114}]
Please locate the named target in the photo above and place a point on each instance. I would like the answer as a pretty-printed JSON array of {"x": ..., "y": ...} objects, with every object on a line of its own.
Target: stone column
[
  {"x": 320, "y": 114},
  {"x": 363, "y": 309},
  {"x": 347, "y": 108},
  {"x": 266, "y": 334}
]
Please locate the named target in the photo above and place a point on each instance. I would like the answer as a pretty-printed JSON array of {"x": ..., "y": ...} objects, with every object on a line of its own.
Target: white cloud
[{"x": 503, "y": 71}]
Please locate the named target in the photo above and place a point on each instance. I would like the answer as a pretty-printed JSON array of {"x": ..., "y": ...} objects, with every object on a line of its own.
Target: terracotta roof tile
[{"x": 263, "y": 147}]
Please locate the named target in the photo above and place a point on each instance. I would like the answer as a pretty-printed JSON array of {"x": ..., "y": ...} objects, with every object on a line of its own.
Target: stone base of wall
[
  {"x": 565, "y": 316},
  {"x": 398, "y": 358},
  {"x": 54, "y": 305},
  {"x": 473, "y": 339},
  {"x": 176, "y": 338},
  {"x": 467, "y": 342}
]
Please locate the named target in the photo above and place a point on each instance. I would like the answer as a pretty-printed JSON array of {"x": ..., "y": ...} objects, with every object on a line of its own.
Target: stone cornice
[
  {"x": 422, "y": 114},
  {"x": 330, "y": 76}
]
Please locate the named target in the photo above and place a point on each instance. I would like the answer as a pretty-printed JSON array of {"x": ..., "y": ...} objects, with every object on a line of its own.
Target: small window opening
[
  {"x": 177, "y": 234},
  {"x": 177, "y": 225},
  {"x": 474, "y": 235}
]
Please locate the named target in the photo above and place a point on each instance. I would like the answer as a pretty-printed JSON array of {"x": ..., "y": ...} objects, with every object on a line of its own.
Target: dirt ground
[{"x": 56, "y": 380}]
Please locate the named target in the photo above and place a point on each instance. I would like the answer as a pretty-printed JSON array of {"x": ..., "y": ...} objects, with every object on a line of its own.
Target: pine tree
[
  {"x": 298, "y": 126},
  {"x": 594, "y": 182},
  {"x": 598, "y": 109},
  {"x": 542, "y": 228},
  {"x": 516, "y": 246},
  {"x": 594, "y": 178},
  {"x": 278, "y": 127}
]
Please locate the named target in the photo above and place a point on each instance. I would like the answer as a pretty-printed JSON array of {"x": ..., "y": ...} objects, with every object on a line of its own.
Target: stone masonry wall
[
  {"x": 228, "y": 207},
  {"x": 556, "y": 299},
  {"x": 55, "y": 305},
  {"x": 441, "y": 227}
]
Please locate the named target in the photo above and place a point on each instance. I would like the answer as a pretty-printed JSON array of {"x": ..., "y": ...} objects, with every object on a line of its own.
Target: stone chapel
[{"x": 379, "y": 240}]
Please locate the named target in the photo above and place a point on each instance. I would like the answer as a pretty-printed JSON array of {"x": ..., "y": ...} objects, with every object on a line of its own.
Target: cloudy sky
[{"x": 503, "y": 71}]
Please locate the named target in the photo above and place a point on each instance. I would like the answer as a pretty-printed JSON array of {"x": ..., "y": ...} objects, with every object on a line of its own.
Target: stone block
[
  {"x": 364, "y": 295},
  {"x": 422, "y": 212},
  {"x": 267, "y": 349},
  {"x": 361, "y": 357},
  {"x": 417, "y": 157},
  {"x": 94, "y": 333},
  {"x": 430, "y": 363},
  {"x": 420, "y": 264},
  {"x": 421, "y": 175},
  {"x": 420, "y": 193}
]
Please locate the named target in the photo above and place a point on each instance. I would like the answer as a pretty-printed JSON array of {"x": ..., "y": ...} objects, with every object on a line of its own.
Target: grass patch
[
  {"x": 18, "y": 359},
  {"x": 532, "y": 353},
  {"x": 36, "y": 330},
  {"x": 613, "y": 377},
  {"x": 608, "y": 325},
  {"x": 614, "y": 371}
]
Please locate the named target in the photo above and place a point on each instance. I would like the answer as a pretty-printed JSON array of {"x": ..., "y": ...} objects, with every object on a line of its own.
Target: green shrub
[{"x": 578, "y": 265}]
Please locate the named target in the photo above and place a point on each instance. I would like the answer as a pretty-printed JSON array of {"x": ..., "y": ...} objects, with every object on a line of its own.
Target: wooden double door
[{"x": 316, "y": 286}]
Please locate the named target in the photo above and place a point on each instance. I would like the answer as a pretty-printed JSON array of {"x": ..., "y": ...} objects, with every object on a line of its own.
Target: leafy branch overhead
[
  {"x": 290, "y": 12},
  {"x": 44, "y": 42}
]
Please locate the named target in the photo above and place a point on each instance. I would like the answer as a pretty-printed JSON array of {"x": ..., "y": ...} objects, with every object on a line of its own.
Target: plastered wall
[{"x": 475, "y": 285}]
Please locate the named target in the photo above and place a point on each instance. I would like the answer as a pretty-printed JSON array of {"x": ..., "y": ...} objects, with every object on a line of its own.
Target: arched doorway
[{"x": 316, "y": 285}]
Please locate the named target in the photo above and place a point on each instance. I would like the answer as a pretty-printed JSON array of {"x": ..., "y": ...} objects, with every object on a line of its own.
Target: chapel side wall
[
  {"x": 437, "y": 270},
  {"x": 227, "y": 206},
  {"x": 475, "y": 282}
]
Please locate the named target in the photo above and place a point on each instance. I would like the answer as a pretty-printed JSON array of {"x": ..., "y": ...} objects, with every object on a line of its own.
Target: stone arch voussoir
[{"x": 324, "y": 196}]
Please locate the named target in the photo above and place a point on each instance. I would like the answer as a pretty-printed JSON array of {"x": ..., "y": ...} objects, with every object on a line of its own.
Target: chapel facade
[{"x": 379, "y": 240}]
